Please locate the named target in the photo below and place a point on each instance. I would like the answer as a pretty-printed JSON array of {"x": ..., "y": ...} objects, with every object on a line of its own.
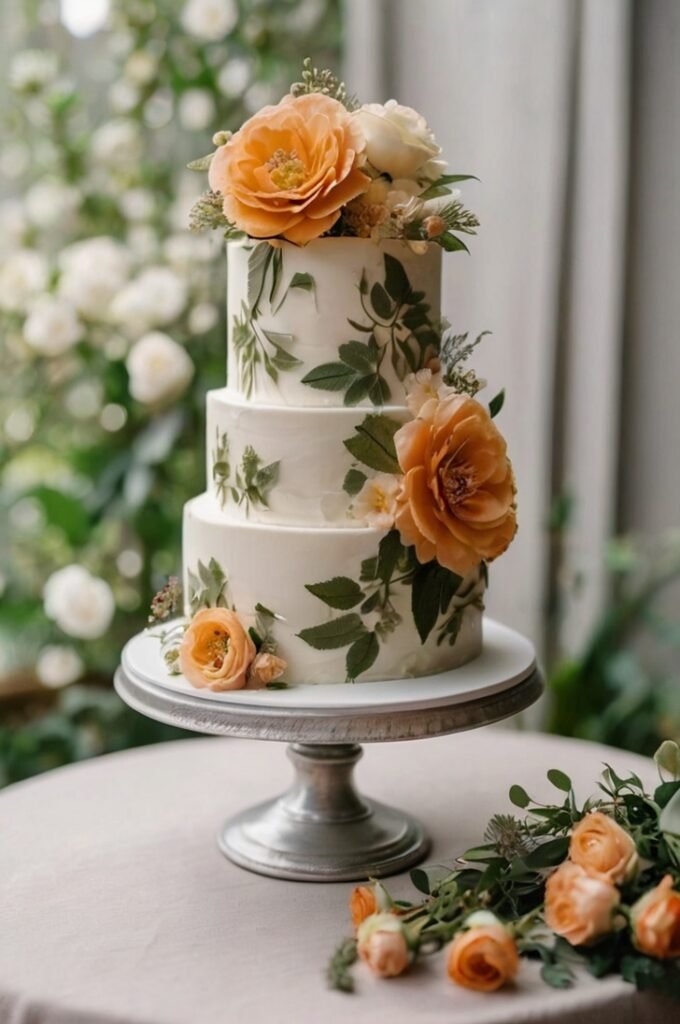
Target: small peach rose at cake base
[
  {"x": 579, "y": 907},
  {"x": 382, "y": 944},
  {"x": 603, "y": 849},
  {"x": 312, "y": 168},
  {"x": 458, "y": 499},
  {"x": 484, "y": 955},
  {"x": 266, "y": 668},
  {"x": 216, "y": 651},
  {"x": 655, "y": 920}
]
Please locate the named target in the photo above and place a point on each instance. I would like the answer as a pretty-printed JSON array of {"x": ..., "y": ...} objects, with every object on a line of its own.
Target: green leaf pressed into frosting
[
  {"x": 353, "y": 482},
  {"x": 362, "y": 655},
  {"x": 304, "y": 281},
  {"x": 258, "y": 264},
  {"x": 432, "y": 589},
  {"x": 338, "y": 633},
  {"x": 373, "y": 443},
  {"x": 330, "y": 377},
  {"x": 396, "y": 280},
  {"x": 340, "y": 592}
]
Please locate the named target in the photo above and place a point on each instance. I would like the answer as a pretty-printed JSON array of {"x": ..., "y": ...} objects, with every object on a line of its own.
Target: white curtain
[{"x": 567, "y": 110}]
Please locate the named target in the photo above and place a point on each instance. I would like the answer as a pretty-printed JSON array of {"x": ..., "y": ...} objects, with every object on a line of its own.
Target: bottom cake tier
[{"x": 336, "y": 619}]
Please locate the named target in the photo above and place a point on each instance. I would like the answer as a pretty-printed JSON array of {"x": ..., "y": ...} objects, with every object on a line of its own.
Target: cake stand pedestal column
[{"x": 322, "y": 829}]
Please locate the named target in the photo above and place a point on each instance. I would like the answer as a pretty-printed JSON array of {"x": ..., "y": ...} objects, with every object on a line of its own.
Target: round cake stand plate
[{"x": 322, "y": 829}]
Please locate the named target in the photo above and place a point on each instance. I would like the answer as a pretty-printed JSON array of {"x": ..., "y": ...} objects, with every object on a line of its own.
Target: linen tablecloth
[{"x": 118, "y": 907}]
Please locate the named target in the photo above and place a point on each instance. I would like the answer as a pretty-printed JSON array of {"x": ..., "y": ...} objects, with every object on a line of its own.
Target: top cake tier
[{"x": 341, "y": 321}]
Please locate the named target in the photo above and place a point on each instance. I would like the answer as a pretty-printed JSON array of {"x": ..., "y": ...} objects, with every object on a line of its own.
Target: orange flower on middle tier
[
  {"x": 288, "y": 171},
  {"x": 458, "y": 498}
]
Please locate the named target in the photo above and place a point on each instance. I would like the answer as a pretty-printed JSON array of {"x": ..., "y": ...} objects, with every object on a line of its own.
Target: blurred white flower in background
[
  {"x": 58, "y": 666},
  {"x": 234, "y": 76},
  {"x": 32, "y": 70},
  {"x": 202, "y": 318},
  {"x": 137, "y": 204},
  {"x": 13, "y": 224},
  {"x": 117, "y": 144},
  {"x": 140, "y": 67},
  {"x": 154, "y": 298},
  {"x": 159, "y": 369},
  {"x": 196, "y": 109},
  {"x": 82, "y": 605},
  {"x": 51, "y": 202},
  {"x": 52, "y": 326},
  {"x": 92, "y": 273},
  {"x": 209, "y": 20},
  {"x": 23, "y": 275}
]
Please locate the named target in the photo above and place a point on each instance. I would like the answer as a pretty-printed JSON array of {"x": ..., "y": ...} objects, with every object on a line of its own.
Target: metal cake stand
[{"x": 322, "y": 828}]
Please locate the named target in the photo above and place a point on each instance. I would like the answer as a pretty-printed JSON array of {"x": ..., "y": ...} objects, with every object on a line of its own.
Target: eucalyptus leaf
[
  {"x": 519, "y": 796},
  {"x": 559, "y": 780}
]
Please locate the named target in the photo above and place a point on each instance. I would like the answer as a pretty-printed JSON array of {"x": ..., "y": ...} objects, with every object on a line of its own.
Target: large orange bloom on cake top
[
  {"x": 458, "y": 498},
  {"x": 290, "y": 169}
]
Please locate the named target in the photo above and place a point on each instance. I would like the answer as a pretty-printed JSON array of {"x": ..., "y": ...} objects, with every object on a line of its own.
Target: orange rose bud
[
  {"x": 484, "y": 957},
  {"x": 216, "y": 651},
  {"x": 579, "y": 907},
  {"x": 290, "y": 169},
  {"x": 655, "y": 920},
  {"x": 603, "y": 849},
  {"x": 381, "y": 943},
  {"x": 266, "y": 668},
  {"x": 458, "y": 497},
  {"x": 434, "y": 226},
  {"x": 362, "y": 903}
]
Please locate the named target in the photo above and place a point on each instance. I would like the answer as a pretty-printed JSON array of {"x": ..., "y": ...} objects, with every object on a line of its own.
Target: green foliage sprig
[{"x": 323, "y": 81}]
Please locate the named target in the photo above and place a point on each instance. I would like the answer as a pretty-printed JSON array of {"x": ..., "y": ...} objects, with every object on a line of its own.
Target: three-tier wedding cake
[{"x": 357, "y": 487}]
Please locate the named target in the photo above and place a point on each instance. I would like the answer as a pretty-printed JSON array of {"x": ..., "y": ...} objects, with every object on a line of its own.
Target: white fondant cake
[{"x": 320, "y": 341}]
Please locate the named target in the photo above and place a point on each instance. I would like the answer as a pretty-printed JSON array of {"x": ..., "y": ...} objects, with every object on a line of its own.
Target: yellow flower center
[
  {"x": 217, "y": 647},
  {"x": 379, "y": 499},
  {"x": 286, "y": 170}
]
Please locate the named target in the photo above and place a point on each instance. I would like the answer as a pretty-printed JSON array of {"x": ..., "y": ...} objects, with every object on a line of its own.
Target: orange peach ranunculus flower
[
  {"x": 603, "y": 849},
  {"x": 484, "y": 957},
  {"x": 288, "y": 171},
  {"x": 458, "y": 498},
  {"x": 656, "y": 921},
  {"x": 579, "y": 907},
  {"x": 216, "y": 650}
]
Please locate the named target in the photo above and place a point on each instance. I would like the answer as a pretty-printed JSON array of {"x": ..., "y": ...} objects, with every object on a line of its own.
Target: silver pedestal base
[{"x": 322, "y": 829}]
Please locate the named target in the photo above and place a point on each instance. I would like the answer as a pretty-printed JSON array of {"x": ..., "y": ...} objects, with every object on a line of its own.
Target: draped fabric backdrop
[{"x": 568, "y": 113}]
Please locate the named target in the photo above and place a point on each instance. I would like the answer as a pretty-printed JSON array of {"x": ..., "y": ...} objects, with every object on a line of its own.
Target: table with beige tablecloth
[{"x": 117, "y": 906}]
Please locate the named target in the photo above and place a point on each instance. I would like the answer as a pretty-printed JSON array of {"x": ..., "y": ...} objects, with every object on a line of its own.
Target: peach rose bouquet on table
[
  {"x": 592, "y": 887},
  {"x": 318, "y": 163}
]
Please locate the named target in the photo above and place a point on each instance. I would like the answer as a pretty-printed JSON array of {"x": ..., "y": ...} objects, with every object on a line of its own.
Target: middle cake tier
[{"x": 292, "y": 466}]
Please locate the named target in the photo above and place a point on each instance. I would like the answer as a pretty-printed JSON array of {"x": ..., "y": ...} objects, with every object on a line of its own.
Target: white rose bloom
[
  {"x": 117, "y": 144},
  {"x": 398, "y": 139},
  {"x": 196, "y": 109},
  {"x": 23, "y": 275},
  {"x": 209, "y": 20},
  {"x": 51, "y": 202},
  {"x": 82, "y": 605},
  {"x": 155, "y": 298},
  {"x": 92, "y": 272},
  {"x": 424, "y": 390},
  {"x": 58, "y": 666},
  {"x": 376, "y": 502},
  {"x": 159, "y": 369},
  {"x": 52, "y": 326}
]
